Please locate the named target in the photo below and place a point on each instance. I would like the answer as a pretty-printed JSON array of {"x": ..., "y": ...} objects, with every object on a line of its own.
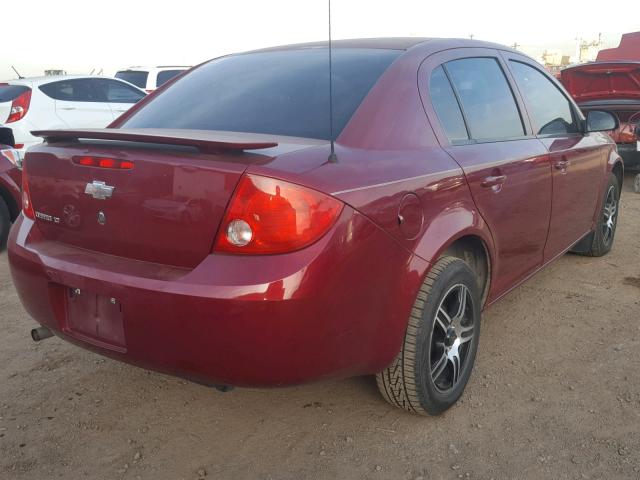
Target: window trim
[
  {"x": 577, "y": 120},
  {"x": 466, "y": 141}
]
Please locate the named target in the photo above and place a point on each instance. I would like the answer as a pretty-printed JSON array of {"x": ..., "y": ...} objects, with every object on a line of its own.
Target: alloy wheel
[
  {"x": 453, "y": 330},
  {"x": 609, "y": 215}
]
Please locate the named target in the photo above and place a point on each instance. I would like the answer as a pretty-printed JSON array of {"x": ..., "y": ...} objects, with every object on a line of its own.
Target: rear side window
[
  {"x": 8, "y": 93},
  {"x": 137, "y": 78},
  {"x": 118, "y": 92},
  {"x": 487, "y": 100},
  {"x": 446, "y": 106},
  {"x": 282, "y": 92},
  {"x": 549, "y": 108},
  {"x": 79, "y": 90},
  {"x": 166, "y": 75}
]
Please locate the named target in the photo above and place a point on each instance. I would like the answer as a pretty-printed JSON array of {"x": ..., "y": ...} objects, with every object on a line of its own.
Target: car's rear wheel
[
  {"x": 5, "y": 224},
  {"x": 434, "y": 364},
  {"x": 607, "y": 220}
]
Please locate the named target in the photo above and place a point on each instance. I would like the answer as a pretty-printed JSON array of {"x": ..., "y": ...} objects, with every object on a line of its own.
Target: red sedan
[
  {"x": 229, "y": 230},
  {"x": 10, "y": 180}
]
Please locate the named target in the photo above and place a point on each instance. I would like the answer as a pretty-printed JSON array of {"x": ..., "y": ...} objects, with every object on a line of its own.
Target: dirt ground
[{"x": 555, "y": 394}]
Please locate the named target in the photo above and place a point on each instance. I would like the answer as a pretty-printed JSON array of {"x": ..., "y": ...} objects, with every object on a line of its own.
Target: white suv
[
  {"x": 62, "y": 102},
  {"x": 149, "y": 78}
]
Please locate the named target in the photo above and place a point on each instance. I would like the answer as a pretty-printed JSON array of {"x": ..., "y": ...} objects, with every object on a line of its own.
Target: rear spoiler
[{"x": 204, "y": 140}]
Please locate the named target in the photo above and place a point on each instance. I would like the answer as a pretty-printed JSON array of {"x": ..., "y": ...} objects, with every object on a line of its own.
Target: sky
[{"x": 81, "y": 36}]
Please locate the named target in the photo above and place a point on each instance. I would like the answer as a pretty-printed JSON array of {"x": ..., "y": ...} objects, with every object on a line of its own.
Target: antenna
[
  {"x": 333, "y": 158},
  {"x": 20, "y": 77}
]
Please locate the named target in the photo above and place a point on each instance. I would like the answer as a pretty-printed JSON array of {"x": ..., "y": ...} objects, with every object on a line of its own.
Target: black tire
[
  {"x": 603, "y": 237},
  {"x": 408, "y": 382},
  {"x": 5, "y": 224}
]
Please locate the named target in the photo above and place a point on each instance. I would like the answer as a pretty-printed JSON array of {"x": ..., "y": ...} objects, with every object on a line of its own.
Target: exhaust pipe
[{"x": 41, "y": 333}]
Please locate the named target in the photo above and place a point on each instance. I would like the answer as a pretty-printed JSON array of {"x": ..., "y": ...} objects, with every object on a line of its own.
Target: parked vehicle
[
  {"x": 62, "y": 102},
  {"x": 10, "y": 181},
  {"x": 149, "y": 78},
  {"x": 614, "y": 86},
  {"x": 299, "y": 262}
]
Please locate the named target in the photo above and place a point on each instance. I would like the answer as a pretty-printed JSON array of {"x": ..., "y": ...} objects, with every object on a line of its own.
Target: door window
[
  {"x": 138, "y": 78},
  {"x": 166, "y": 75},
  {"x": 549, "y": 109},
  {"x": 78, "y": 90},
  {"x": 118, "y": 92},
  {"x": 486, "y": 99}
]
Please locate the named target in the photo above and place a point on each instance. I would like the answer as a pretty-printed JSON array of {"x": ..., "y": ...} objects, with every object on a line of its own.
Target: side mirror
[{"x": 601, "y": 121}]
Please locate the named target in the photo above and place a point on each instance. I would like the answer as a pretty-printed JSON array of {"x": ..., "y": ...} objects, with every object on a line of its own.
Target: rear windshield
[
  {"x": 166, "y": 75},
  {"x": 284, "y": 92},
  {"x": 8, "y": 93},
  {"x": 139, "y": 79}
]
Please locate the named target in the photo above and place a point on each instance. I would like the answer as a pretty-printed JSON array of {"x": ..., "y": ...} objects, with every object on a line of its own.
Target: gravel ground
[{"x": 555, "y": 394}]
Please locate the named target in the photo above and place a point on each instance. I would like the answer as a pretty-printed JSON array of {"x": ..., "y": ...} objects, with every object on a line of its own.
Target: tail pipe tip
[{"x": 41, "y": 333}]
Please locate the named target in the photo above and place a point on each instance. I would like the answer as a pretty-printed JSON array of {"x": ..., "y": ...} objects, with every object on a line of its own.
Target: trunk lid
[
  {"x": 166, "y": 209},
  {"x": 602, "y": 80}
]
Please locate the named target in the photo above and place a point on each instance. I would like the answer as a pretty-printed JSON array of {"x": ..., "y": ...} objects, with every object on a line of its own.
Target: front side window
[
  {"x": 486, "y": 98},
  {"x": 118, "y": 92},
  {"x": 446, "y": 106},
  {"x": 549, "y": 108}
]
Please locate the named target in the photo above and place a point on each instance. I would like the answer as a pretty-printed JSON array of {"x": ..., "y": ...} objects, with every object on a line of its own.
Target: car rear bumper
[{"x": 337, "y": 308}]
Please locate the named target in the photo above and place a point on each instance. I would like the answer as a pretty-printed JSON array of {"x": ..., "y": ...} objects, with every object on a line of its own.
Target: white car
[
  {"x": 62, "y": 102},
  {"x": 149, "y": 78}
]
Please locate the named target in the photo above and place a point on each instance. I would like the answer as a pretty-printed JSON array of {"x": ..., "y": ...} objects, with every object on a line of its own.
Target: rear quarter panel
[{"x": 10, "y": 185}]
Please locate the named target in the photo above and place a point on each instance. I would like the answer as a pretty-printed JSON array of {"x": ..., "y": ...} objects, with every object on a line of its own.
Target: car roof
[
  {"x": 426, "y": 44},
  {"x": 36, "y": 81},
  {"x": 144, "y": 69}
]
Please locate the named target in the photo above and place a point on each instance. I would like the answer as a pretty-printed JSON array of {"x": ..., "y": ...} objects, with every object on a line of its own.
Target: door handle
[
  {"x": 493, "y": 181},
  {"x": 67, "y": 108},
  {"x": 562, "y": 164}
]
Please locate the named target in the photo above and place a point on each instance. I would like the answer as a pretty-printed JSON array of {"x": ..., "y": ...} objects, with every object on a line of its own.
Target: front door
[{"x": 577, "y": 159}]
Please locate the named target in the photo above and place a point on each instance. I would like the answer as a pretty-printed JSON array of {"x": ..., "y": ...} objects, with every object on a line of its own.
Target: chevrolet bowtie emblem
[{"x": 99, "y": 190}]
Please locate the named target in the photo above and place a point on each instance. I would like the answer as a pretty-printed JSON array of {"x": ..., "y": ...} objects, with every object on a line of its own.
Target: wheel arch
[
  {"x": 461, "y": 232},
  {"x": 14, "y": 209},
  {"x": 473, "y": 250}
]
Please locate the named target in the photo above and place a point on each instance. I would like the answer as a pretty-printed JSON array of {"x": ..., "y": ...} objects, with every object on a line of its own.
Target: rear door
[
  {"x": 481, "y": 124},
  {"x": 120, "y": 96},
  {"x": 78, "y": 103},
  {"x": 578, "y": 159}
]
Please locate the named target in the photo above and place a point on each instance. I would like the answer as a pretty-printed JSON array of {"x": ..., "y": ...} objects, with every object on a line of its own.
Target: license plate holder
[{"x": 95, "y": 318}]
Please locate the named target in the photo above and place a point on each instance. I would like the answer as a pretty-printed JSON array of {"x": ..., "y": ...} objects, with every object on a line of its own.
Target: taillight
[
  {"x": 27, "y": 206},
  {"x": 19, "y": 106},
  {"x": 102, "y": 162},
  {"x": 267, "y": 215},
  {"x": 12, "y": 155}
]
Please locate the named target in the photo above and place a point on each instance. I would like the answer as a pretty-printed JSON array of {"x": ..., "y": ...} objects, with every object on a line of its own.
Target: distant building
[
  {"x": 49, "y": 73},
  {"x": 588, "y": 51}
]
